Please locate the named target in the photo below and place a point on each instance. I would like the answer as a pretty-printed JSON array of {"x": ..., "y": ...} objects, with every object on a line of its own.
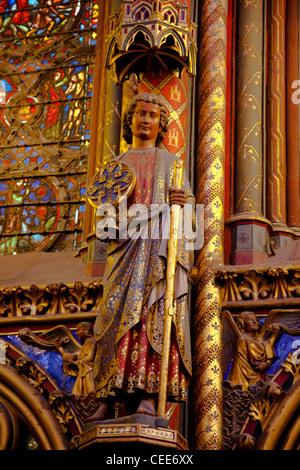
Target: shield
[{"x": 112, "y": 183}]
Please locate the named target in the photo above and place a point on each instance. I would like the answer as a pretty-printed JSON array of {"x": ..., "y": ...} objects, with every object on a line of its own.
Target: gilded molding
[
  {"x": 24, "y": 401},
  {"x": 271, "y": 287},
  {"x": 24, "y": 303},
  {"x": 65, "y": 408}
]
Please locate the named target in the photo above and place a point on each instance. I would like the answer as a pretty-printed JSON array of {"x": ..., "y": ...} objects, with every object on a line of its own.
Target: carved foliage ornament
[
  {"x": 50, "y": 300},
  {"x": 270, "y": 284}
]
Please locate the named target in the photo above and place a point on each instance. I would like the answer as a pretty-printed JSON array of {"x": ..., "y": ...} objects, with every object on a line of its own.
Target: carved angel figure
[
  {"x": 251, "y": 346},
  {"x": 80, "y": 363},
  {"x": 78, "y": 359}
]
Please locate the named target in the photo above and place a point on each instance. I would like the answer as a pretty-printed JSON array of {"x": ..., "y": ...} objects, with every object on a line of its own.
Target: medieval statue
[
  {"x": 129, "y": 326},
  {"x": 131, "y": 352}
]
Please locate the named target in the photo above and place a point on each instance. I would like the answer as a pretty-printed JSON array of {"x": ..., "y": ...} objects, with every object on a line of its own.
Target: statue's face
[
  {"x": 251, "y": 323},
  {"x": 146, "y": 121},
  {"x": 80, "y": 332}
]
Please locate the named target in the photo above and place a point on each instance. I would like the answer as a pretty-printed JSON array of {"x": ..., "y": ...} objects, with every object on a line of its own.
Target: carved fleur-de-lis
[
  {"x": 294, "y": 286},
  {"x": 77, "y": 298},
  {"x": 254, "y": 286},
  {"x": 6, "y": 303},
  {"x": 27, "y": 368},
  {"x": 292, "y": 365},
  {"x": 61, "y": 408},
  {"x": 33, "y": 301}
]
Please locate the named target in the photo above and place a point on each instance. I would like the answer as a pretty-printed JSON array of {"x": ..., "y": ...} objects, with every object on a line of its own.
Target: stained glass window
[{"x": 47, "y": 50}]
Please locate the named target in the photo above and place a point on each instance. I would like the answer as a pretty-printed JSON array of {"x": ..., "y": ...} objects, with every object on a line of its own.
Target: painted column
[
  {"x": 249, "y": 108},
  {"x": 129, "y": 91},
  {"x": 105, "y": 134},
  {"x": 249, "y": 233},
  {"x": 292, "y": 115},
  {"x": 276, "y": 115},
  {"x": 206, "y": 329}
]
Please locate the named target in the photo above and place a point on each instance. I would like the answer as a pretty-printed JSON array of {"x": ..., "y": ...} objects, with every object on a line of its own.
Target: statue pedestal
[{"x": 131, "y": 432}]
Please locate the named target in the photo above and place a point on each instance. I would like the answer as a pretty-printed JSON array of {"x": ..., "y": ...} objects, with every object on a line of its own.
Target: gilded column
[
  {"x": 276, "y": 114},
  {"x": 113, "y": 118},
  {"x": 207, "y": 348},
  {"x": 249, "y": 107},
  {"x": 249, "y": 233}
]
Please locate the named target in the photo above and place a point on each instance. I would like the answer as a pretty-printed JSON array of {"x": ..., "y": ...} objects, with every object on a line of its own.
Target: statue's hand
[
  {"x": 178, "y": 196},
  {"x": 275, "y": 329},
  {"x": 260, "y": 366}
]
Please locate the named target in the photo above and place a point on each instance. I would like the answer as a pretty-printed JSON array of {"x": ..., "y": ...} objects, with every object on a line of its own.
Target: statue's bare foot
[
  {"x": 147, "y": 407},
  {"x": 100, "y": 414}
]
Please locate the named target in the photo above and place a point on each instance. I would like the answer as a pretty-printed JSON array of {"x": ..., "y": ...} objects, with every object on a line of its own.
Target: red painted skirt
[{"x": 137, "y": 367}]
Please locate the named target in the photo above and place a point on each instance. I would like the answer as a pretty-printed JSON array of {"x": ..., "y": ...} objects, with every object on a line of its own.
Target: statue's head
[
  {"x": 86, "y": 328},
  {"x": 127, "y": 120},
  {"x": 247, "y": 321}
]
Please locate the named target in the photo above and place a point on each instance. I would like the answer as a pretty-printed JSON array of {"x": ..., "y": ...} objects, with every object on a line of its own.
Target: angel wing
[
  {"x": 289, "y": 321},
  {"x": 48, "y": 339},
  {"x": 230, "y": 334}
]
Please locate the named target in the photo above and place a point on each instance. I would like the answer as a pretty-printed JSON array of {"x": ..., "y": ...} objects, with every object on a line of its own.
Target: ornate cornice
[
  {"x": 259, "y": 287},
  {"x": 50, "y": 303}
]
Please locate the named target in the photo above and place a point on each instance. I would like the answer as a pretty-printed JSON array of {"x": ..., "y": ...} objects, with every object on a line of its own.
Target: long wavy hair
[{"x": 128, "y": 114}]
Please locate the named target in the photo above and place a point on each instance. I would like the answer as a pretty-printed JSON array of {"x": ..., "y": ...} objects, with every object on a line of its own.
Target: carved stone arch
[
  {"x": 20, "y": 402},
  {"x": 170, "y": 32},
  {"x": 282, "y": 432},
  {"x": 130, "y": 39}
]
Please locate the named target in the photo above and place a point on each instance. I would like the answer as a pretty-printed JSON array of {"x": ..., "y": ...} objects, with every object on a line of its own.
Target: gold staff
[{"x": 169, "y": 295}]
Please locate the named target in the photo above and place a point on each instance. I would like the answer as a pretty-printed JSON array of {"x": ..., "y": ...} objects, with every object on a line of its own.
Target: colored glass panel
[{"x": 47, "y": 52}]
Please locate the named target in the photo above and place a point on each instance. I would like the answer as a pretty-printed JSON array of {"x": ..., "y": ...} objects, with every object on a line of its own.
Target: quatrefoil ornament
[{"x": 112, "y": 183}]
